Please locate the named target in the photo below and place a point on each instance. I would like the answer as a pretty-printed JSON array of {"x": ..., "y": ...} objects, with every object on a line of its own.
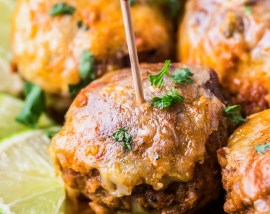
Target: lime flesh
[
  {"x": 9, "y": 82},
  {"x": 6, "y": 8},
  {"x": 28, "y": 184}
]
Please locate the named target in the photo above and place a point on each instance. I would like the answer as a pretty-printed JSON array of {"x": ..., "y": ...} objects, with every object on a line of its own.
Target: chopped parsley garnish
[
  {"x": 172, "y": 5},
  {"x": 167, "y": 100},
  {"x": 248, "y": 10},
  {"x": 233, "y": 114},
  {"x": 157, "y": 80},
  {"x": 86, "y": 71},
  {"x": 132, "y": 2},
  {"x": 82, "y": 26},
  {"x": 182, "y": 76},
  {"x": 34, "y": 105},
  {"x": 60, "y": 9},
  {"x": 263, "y": 148},
  {"x": 124, "y": 137}
]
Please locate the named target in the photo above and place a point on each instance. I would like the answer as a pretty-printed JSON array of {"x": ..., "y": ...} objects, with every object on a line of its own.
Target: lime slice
[
  {"x": 27, "y": 177},
  {"x": 9, "y": 82},
  {"x": 10, "y": 107},
  {"x": 6, "y": 10}
]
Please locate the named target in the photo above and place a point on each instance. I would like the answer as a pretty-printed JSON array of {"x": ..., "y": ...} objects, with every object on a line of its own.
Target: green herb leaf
[
  {"x": 60, "y": 9},
  {"x": 86, "y": 71},
  {"x": 248, "y": 10},
  {"x": 182, "y": 76},
  {"x": 87, "y": 68},
  {"x": 172, "y": 5},
  {"x": 124, "y": 137},
  {"x": 33, "y": 107},
  {"x": 263, "y": 148},
  {"x": 157, "y": 80},
  {"x": 132, "y": 2},
  {"x": 233, "y": 113},
  {"x": 167, "y": 100},
  {"x": 27, "y": 88}
]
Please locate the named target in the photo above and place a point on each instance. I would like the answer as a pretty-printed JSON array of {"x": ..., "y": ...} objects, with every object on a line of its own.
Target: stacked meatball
[
  {"x": 48, "y": 45},
  {"x": 246, "y": 167},
  {"x": 232, "y": 37},
  {"x": 172, "y": 158}
]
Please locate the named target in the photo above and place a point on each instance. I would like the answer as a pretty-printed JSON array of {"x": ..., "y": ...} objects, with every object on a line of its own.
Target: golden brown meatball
[
  {"x": 232, "y": 37},
  {"x": 48, "y": 47},
  {"x": 170, "y": 166},
  {"x": 246, "y": 167}
]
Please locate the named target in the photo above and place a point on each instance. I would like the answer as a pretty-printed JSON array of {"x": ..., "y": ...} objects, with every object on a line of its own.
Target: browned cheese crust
[
  {"x": 172, "y": 166},
  {"x": 233, "y": 38},
  {"x": 245, "y": 172},
  {"x": 47, "y": 49}
]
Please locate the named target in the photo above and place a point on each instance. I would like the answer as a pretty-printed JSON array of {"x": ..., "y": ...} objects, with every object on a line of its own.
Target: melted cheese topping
[
  {"x": 177, "y": 135},
  {"x": 47, "y": 49}
]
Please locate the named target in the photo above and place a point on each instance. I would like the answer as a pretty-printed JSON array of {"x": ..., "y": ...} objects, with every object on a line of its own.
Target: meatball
[
  {"x": 171, "y": 164},
  {"x": 232, "y": 37},
  {"x": 246, "y": 167},
  {"x": 49, "y": 39}
]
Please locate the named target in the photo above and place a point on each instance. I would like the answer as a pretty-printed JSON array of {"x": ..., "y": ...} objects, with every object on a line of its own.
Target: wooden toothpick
[{"x": 133, "y": 55}]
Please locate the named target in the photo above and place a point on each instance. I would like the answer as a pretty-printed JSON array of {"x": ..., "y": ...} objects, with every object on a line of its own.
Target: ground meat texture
[
  {"x": 245, "y": 172},
  {"x": 172, "y": 166},
  {"x": 232, "y": 37},
  {"x": 47, "y": 49}
]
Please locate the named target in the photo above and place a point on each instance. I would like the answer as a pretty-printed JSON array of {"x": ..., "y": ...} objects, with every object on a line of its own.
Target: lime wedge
[
  {"x": 10, "y": 107},
  {"x": 27, "y": 178},
  {"x": 6, "y": 10},
  {"x": 9, "y": 82}
]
